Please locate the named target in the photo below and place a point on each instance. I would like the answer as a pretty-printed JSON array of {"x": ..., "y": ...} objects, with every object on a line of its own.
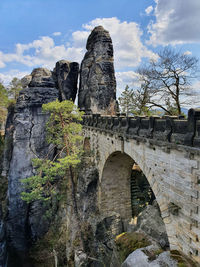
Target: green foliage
[
  {"x": 64, "y": 132},
  {"x": 134, "y": 101},
  {"x": 126, "y": 101},
  {"x": 3, "y": 103},
  {"x": 8, "y": 96},
  {"x": 14, "y": 88}
]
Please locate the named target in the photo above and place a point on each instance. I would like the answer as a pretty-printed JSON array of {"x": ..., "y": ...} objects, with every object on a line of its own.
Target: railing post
[{"x": 193, "y": 116}]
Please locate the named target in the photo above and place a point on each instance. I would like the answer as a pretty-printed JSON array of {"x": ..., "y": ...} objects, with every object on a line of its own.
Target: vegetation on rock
[
  {"x": 64, "y": 134},
  {"x": 129, "y": 242},
  {"x": 183, "y": 260}
]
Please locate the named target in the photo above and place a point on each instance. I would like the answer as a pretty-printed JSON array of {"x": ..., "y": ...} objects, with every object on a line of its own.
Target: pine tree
[
  {"x": 64, "y": 131},
  {"x": 126, "y": 101}
]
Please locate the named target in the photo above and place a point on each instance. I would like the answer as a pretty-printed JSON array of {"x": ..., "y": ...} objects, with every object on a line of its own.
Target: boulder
[
  {"x": 140, "y": 258},
  {"x": 97, "y": 91},
  {"x": 150, "y": 222}
]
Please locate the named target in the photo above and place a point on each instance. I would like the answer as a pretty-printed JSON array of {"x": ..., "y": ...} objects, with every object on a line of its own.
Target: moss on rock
[
  {"x": 183, "y": 260},
  {"x": 128, "y": 242}
]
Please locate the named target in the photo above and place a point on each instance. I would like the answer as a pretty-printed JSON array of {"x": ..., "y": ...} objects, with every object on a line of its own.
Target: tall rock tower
[
  {"x": 25, "y": 140},
  {"x": 97, "y": 92}
]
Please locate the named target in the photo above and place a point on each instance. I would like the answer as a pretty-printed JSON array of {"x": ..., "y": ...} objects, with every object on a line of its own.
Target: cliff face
[
  {"x": 25, "y": 140},
  {"x": 97, "y": 91},
  {"x": 28, "y": 142}
]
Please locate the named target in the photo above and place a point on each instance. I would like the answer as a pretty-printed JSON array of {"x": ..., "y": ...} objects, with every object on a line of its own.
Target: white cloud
[
  {"x": 187, "y": 52},
  {"x": 8, "y": 76},
  {"x": 44, "y": 53},
  {"x": 128, "y": 47},
  {"x": 148, "y": 10},
  {"x": 177, "y": 22},
  {"x": 124, "y": 78},
  {"x": 57, "y": 33},
  {"x": 80, "y": 38},
  {"x": 126, "y": 37}
]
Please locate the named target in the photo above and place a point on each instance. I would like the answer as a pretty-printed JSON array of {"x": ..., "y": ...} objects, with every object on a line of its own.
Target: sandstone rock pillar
[{"x": 97, "y": 91}]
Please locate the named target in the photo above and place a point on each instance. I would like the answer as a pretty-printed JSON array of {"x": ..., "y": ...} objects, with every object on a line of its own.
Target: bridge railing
[{"x": 167, "y": 128}]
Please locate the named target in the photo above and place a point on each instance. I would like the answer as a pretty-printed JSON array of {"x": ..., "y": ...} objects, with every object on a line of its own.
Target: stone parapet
[{"x": 172, "y": 129}]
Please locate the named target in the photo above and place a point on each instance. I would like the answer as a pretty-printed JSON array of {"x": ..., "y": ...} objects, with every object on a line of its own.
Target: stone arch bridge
[{"x": 167, "y": 151}]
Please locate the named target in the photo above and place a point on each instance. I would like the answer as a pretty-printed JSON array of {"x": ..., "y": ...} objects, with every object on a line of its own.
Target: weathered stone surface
[
  {"x": 3, "y": 249},
  {"x": 26, "y": 80},
  {"x": 29, "y": 141},
  {"x": 172, "y": 171},
  {"x": 140, "y": 259},
  {"x": 8, "y": 141},
  {"x": 66, "y": 76},
  {"x": 42, "y": 78},
  {"x": 97, "y": 92},
  {"x": 80, "y": 259},
  {"x": 25, "y": 140},
  {"x": 150, "y": 221}
]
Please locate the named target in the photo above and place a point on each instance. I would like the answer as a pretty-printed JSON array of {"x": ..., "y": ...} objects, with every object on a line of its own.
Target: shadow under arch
[
  {"x": 115, "y": 194},
  {"x": 122, "y": 183}
]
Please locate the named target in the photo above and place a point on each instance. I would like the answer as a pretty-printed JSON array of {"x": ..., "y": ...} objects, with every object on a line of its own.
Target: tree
[
  {"x": 126, "y": 101},
  {"x": 64, "y": 131},
  {"x": 134, "y": 101},
  {"x": 14, "y": 88},
  {"x": 3, "y": 103},
  {"x": 140, "y": 101},
  {"x": 168, "y": 79}
]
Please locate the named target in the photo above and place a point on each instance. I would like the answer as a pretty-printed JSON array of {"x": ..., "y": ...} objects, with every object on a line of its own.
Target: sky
[{"x": 37, "y": 33}]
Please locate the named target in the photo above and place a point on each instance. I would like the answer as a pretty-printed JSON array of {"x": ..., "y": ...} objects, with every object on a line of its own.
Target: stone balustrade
[{"x": 170, "y": 129}]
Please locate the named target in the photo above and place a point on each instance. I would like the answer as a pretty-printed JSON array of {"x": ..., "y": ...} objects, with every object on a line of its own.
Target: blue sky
[{"x": 37, "y": 33}]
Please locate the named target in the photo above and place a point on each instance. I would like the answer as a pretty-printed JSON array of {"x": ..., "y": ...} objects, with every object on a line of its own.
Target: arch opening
[
  {"x": 115, "y": 194},
  {"x": 124, "y": 189},
  {"x": 141, "y": 193}
]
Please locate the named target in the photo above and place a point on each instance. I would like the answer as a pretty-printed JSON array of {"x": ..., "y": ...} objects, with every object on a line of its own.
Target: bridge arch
[
  {"x": 172, "y": 171},
  {"x": 115, "y": 185}
]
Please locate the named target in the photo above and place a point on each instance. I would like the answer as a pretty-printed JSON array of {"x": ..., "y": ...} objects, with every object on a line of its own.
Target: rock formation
[
  {"x": 97, "y": 91},
  {"x": 140, "y": 258},
  {"x": 66, "y": 76},
  {"x": 150, "y": 221},
  {"x": 25, "y": 140},
  {"x": 42, "y": 78},
  {"x": 80, "y": 235},
  {"x": 28, "y": 142}
]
